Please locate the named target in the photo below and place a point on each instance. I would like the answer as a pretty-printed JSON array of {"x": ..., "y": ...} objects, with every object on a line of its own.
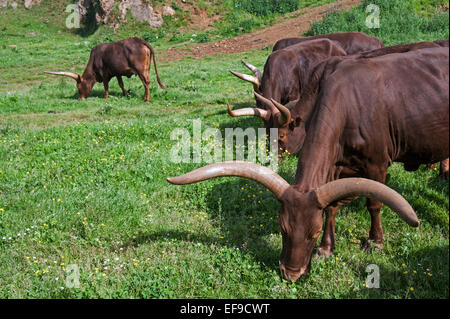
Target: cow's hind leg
[
  {"x": 119, "y": 79},
  {"x": 146, "y": 81},
  {"x": 106, "y": 86}
]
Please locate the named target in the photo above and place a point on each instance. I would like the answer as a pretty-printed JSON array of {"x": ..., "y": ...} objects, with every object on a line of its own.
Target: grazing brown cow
[
  {"x": 284, "y": 70},
  {"x": 127, "y": 57},
  {"x": 281, "y": 70},
  {"x": 369, "y": 113},
  {"x": 290, "y": 116},
  {"x": 351, "y": 42},
  {"x": 442, "y": 43}
]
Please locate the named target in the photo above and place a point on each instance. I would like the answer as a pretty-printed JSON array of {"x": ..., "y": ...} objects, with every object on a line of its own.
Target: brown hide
[
  {"x": 351, "y": 42},
  {"x": 127, "y": 57}
]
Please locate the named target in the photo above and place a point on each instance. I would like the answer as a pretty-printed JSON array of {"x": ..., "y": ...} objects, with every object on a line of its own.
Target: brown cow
[
  {"x": 280, "y": 77},
  {"x": 351, "y": 42},
  {"x": 442, "y": 43},
  {"x": 290, "y": 132},
  {"x": 127, "y": 57},
  {"x": 289, "y": 118},
  {"x": 369, "y": 113},
  {"x": 285, "y": 68}
]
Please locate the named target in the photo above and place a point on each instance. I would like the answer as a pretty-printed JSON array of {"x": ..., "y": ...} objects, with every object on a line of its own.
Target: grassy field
[{"x": 84, "y": 182}]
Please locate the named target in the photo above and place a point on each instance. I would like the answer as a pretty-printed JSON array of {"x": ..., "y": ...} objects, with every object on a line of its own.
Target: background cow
[
  {"x": 123, "y": 58},
  {"x": 290, "y": 132},
  {"x": 283, "y": 74},
  {"x": 281, "y": 81},
  {"x": 351, "y": 42}
]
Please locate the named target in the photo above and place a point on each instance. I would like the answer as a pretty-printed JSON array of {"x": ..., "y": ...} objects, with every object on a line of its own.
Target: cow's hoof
[
  {"x": 323, "y": 252},
  {"x": 371, "y": 245}
]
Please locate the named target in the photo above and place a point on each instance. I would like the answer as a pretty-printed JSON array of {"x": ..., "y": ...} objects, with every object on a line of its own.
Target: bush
[
  {"x": 203, "y": 37},
  {"x": 266, "y": 7},
  {"x": 399, "y": 23},
  {"x": 150, "y": 37}
]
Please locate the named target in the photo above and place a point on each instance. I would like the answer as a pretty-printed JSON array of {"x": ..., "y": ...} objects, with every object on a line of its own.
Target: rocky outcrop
[
  {"x": 104, "y": 10},
  {"x": 168, "y": 11},
  {"x": 139, "y": 9},
  {"x": 29, "y": 3},
  {"x": 14, "y": 4}
]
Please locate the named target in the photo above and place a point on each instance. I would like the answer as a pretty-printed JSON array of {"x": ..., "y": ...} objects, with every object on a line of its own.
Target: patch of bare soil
[{"x": 292, "y": 27}]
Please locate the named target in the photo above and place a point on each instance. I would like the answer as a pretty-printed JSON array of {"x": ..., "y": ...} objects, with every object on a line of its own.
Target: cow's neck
[
  {"x": 321, "y": 150},
  {"x": 89, "y": 79}
]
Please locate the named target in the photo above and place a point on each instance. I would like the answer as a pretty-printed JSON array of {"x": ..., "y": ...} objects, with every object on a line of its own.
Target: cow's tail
[{"x": 152, "y": 56}]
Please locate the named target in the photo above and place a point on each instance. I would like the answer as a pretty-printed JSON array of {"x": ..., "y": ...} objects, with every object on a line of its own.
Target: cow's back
[
  {"x": 123, "y": 57},
  {"x": 399, "y": 102},
  {"x": 351, "y": 42},
  {"x": 285, "y": 69}
]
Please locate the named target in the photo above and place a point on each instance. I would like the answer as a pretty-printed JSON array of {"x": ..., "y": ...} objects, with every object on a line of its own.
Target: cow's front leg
[
  {"x": 106, "y": 86},
  {"x": 327, "y": 244},
  {"x": 376, "y": 236},
  {"x": 119, "y": 79},
  {"x": 444, "y": 168}
]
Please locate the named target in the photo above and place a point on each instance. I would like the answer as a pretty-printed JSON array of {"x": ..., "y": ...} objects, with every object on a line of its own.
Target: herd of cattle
[{"x": 347, "y": 103}]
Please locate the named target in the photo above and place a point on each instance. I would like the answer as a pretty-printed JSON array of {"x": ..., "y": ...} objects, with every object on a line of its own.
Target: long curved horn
[
  {"x": 74, "y": 76},
  {"x": 249, "y": 78},
  {"x": 254, "y": 69},
  {"x": 260, "y": 174},
  {"x": 348, "y": 187},
  {"x": 286, "y": 114},
  {"x": 269, "y": 105},
  {"x": 249, "y": 111}
]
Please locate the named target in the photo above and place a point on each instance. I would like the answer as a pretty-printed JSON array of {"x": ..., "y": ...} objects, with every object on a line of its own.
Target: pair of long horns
[
  {"x": 74, "y": 76},
  {"x": 272, "y": 108},
  {"x": 325, "y": 195},
  {"x": 255, "y": 80}
]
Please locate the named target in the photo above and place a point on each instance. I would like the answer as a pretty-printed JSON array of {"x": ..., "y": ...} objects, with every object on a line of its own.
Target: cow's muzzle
[{"x": 290, "y": 274}]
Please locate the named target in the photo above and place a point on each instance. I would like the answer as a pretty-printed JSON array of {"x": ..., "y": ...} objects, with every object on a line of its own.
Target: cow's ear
[{"x": 295, "y": 123}]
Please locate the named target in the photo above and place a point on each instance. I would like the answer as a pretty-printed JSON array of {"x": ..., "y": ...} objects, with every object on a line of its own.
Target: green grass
[
  {"x": 400, "y": 21},
  {"x": 86, "y": 185}
]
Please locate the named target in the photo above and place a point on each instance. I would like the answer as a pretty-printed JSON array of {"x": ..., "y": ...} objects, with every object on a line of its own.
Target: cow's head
[
  {"x": 289, "y": 121},
  {"x": 300, "y": 217},
  {"x": 84, "y": 87}
]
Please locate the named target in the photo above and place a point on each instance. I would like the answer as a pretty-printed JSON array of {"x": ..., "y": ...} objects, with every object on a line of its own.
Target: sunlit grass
[{"x": 84, "y": 182}]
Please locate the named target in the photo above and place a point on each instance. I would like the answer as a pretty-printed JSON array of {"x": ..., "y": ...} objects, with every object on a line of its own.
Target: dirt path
[{"x": 258, "y": 39}]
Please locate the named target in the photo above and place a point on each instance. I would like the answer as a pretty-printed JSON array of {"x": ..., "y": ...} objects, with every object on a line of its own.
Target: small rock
[{"x": 168, "y": 11}]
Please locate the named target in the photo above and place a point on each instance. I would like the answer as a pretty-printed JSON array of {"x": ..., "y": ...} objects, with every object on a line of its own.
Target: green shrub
[
  {"x": 266, "y": 7},
  {"x": 150, "y": 37},
  {"x": 399, "y": 23},
  {"x": 203, "y": 37}
]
